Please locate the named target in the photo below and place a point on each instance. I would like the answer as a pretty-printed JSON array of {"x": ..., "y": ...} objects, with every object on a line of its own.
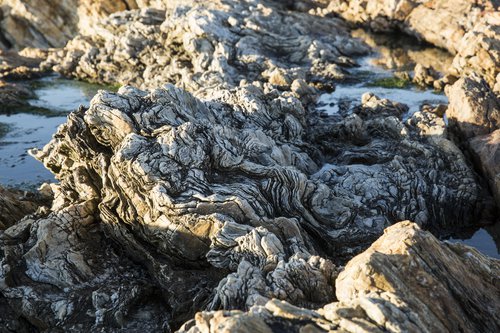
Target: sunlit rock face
[
  {"x": 405, "y": 282},
  {"x": 229, "y": 194},
  {"x": 166, "y": 161},
  {"x": 442, "y": 23},
  {"x": 202, "y": 45},
  {"x": 479, "y": 51},
  {"x": 49, "y": 23},
  {"x": 474, "y": 115}
]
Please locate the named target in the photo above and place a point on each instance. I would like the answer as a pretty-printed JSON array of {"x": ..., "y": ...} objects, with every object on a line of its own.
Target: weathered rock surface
[
  {"x": 14, "y": 205},
  {"x": 51, "y": 23},
  {"x": 210, "y": 44},
  {"x": 486, "y": 150},
  {"x": 223, "y": 203},
  {"x": 474, "y": 114},
  {"x": 237, "y": 197},
  {"x": 441, "y": 22},
  {"x": 479, "y": 51},
  {"x": 405, "y": 282},
  {"x": 473, "y": 108}
]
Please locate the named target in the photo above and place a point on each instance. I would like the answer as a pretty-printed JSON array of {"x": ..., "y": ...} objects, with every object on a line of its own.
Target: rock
[
  {"x": 486, "y": 150},
  {"x": 15, "y": 204},
  {"x": 479, "y": 51},
  {"x": 154, "y": 134},
  {"x": 441, "y": 83},
  {"x": 410, "y": 275},
  {"x": 16, "y": 66},
  {"x": 50, "y": 23},
  {"x": 210, "y": 44},
  {"x": 438, "y": 22},
  {"x": 473, "y": 108},
  {"x": 13, "y": 95},
  {"x": 405, "y": 282},
  {"x": 424, "y": 76},
  {"x": 72, "y": 279}
]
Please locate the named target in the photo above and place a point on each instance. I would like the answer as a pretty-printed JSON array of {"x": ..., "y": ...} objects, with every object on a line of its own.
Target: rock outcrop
[
  {"x": 474, "y": 115},
  {"x": 50, "y": 23},
  {"x": 15, "y": 204},
  {"x": 211, "y": 44},
  {"x": 479, "y": 51},
  {"x": 440, "y": 22},
  {"x": 223, "y": 203},
  {"x": 229, "y": 193},
  {"x": 405, "y": 282}
]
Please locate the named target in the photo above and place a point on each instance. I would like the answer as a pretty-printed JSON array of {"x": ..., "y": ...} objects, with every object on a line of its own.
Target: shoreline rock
[
  {"x": 229, "y": 194},
  {"x": 406, "y": 281}
]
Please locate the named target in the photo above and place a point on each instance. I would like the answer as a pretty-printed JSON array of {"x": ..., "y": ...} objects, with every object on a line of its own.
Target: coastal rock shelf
[
  {"x": 210, "y": 44},
  {"x": 212, "y": 193}
]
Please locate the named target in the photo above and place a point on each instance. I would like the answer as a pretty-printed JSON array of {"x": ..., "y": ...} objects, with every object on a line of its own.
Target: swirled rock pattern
[
  {"x": 228, "y": 193},
  {"x": 224, "y": 202},
  {"x": 208, "y": 44}
]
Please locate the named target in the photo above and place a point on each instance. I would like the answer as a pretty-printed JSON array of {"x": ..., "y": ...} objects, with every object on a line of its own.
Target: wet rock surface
[{"x": 224, "y": 200}]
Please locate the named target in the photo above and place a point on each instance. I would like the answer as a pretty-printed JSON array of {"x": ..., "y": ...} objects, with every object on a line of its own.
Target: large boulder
[{"x": 473, "y": 108}]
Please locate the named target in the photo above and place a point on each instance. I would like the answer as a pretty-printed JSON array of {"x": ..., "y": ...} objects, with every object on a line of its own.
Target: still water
[{"x": 21, "y": 130}]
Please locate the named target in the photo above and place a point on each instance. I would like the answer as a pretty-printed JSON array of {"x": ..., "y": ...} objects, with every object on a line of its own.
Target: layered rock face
[
  {"x": 222, "y": 204},
  {"x": 210, "y": 44},
  {"x": 405, "y": 282}
]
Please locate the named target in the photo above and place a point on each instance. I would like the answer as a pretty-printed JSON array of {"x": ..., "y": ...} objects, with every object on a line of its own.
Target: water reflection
[{"x": 25, "y": 128}]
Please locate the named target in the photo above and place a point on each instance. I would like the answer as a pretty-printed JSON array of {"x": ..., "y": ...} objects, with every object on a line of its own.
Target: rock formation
[
  {"x": 15, "y": 204},
  {"x": 226, "y": 192},
  {"x": 405, "y": 282},
  {"x": 474, "y": 113},
  {"x": 211, "y": 44},
  {"x": 221, "y": 203},
  {"x": 51, "y": 23},
  {"x": 440, "y": 22}
]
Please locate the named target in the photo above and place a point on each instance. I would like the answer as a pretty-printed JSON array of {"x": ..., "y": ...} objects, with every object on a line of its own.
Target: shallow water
[
  {"x": 348, "y": 94},
  {"x": 483, "y": 240},
  {"x": 33, "y": 128}
]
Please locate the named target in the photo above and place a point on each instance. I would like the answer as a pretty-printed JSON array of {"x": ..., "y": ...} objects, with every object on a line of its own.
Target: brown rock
[
  {"x": 14, "y": 205},
  {"x": 51, "y": 23},
  {"x": 479, "y": 50},
  {"x": 473, "y": 109},
  {"x": 446, "y": 287},
  {"x": 486, "y": 149}
]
